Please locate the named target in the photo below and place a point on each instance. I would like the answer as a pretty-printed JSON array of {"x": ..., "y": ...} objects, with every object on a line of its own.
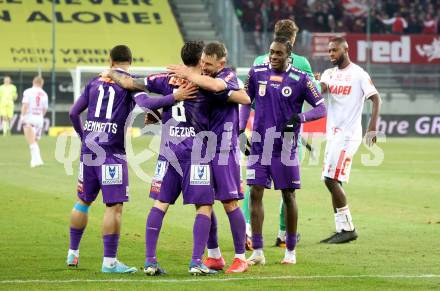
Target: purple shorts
[
  {"x": 226, "y": 176},
  {"x": 111, "y": 178},
  {"x": 284, "y": 177},
  {"x": 194, "y": 183}
]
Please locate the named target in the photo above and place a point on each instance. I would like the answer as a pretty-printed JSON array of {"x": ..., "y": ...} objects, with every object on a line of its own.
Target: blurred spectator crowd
[{"x": 387, "y": 16}]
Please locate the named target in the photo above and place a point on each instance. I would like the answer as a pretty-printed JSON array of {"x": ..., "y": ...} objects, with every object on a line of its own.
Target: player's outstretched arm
[
  {"x": 205, "y": 82},
  {"x": 372, "y": 127},
  {"x": 184, "y": 92},
  {"x": 125, "y": 81},
  {"x": 240, "y": 97}
]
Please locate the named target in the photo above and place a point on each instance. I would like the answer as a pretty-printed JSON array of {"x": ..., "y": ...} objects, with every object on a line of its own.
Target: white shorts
[
  {"x": 36, "y": 122},
  {"x": 338, "y": 158}
]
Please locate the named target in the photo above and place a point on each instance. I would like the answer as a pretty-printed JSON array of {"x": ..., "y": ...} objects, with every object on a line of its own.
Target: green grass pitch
[{"x": 395, "y": 207}]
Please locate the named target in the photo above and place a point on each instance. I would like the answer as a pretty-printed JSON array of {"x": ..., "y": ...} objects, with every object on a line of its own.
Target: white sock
[
  {"x": 282, "y": 235},
  {"x": 258, "y": 252},
  {"x": 214, "y": 253},
  {"x": 289, "y": 254},
  {"x": 338, "y": 225},
  {"x": 32, "y": 149},
  {"x": 108, "y": 262},
  {"x": 75, "y": 252},
  {"x": 344, "y": 218},
  {"x": 240, "y": 256},
  {"x": 248, "y": 230},
  {"x": 37, "y": 153}
]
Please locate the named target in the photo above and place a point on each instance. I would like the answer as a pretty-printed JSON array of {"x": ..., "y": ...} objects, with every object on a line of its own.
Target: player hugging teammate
[{"x": 199, "y": 152}]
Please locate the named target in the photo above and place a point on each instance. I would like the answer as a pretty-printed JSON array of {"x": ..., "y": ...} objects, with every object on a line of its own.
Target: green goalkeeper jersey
[{"x": 298, "y": 62}]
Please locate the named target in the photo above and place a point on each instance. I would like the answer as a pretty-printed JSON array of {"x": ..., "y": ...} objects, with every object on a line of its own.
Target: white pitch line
[{"x": 398, "y": 276}]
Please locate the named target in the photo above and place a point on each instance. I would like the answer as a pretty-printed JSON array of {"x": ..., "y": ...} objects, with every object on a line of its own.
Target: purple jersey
[
  {"x": 278, "y": 96},
  {"x": 224, "y": 115},
  {"x": 181, "y": 121},
  {"x": 108, "y": 108}
]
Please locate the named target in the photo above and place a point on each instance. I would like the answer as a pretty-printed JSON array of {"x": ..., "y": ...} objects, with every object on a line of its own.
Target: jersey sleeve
[
  {"x": 45, "y": 103},
  {"x": 367, "y": 86},
  {"x": 311, "y": 93},
  {"x": 25, "y": 97},
  {"x": 229, "y": 78},
  {"x": 325, "y": 77},
  {"x": 156, "y": 83}
]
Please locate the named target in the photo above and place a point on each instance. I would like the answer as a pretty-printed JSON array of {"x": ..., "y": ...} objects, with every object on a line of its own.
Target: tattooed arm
[{"x": 127, "y": 82}]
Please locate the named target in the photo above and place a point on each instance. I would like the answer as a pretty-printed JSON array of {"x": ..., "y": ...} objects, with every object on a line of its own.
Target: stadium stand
[{"x": 344, "y": 15}]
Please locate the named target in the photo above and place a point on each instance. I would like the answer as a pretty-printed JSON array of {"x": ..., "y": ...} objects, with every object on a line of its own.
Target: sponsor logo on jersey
[
  {"x": 111, "y": 174},
  {"x": 262, "y": 89},
  {"x": 260, "y": 69},
  {"x": 286, "y": 91},
  {"x": 275, "y": 85},
  {"x": 161, "y": 168},
  {"x": 200, "y": 175},
  {"x": 161, "y": 75},
  {"x": 174, "y": 81},
  {"x": 294, "y": 76},
  {"x": 340, "y": 89},
  {"x": 250, "y": 174},
  {"x": 312, "y": 89},
  {"x": 278, "y": 79},
  {"x": 229, "y": 76},
  {"x": 155, "y": 186}
]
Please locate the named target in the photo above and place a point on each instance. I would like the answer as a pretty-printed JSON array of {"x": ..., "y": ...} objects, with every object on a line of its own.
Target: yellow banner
[{"x": 86, "y": 30}]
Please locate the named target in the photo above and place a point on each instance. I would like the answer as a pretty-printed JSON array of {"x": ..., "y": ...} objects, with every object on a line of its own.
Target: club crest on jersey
[
  {"x": 286, "y": 91},
  {"x": 200, "y": 175},
  {"x": 261, "y": 89},
  {"x": 159, "y": 172},
  {"x": 111, "y": 174}
]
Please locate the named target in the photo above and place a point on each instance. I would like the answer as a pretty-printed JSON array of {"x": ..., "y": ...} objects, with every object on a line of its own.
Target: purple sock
[
  {"x": 111, "y": 242},
  {"x": 238, "y": 229},
  {"x": 290, "y": 241},
  {"x": 75, "y": 237},
  {"x": 202, "y": 224},
  {"x": 212, "y": 239},
  {"x": 257, "y": 241},
  {"x": 154, "y": 224}
]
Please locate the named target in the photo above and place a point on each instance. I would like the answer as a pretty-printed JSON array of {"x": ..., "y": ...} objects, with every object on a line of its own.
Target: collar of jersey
[{"x": 288, "y": 67}]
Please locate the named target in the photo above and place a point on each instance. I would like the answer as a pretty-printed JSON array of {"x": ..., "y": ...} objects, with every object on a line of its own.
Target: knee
[
  {"x": 288, "y": 196},
  {"x": 330, "y": 183},
  {"x": 256, "y": 192},
  {"x": 204, "y": 209},
  {"x": 230, "y": 205},
  {"x": 116, "y": 207},
  {"x": 161, "y": 205}
]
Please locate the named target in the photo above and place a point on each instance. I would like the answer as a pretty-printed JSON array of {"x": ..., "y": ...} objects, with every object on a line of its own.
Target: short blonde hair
[
  {"x": 38, "y": 80},
  {"x": 286, "y": 28}
]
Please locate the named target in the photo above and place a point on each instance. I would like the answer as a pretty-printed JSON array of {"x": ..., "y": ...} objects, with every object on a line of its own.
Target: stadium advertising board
[
  {"x": 85, "y": 32},
  {"x": 395, "y": 49},
  {"x": 385, "y": 48}
]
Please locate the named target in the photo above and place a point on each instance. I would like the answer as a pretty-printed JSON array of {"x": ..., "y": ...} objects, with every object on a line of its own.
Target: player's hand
[
  {"x": 371, "y": 136},
  {"x": 245, "y": 145},
  {"x": 185, "y": 92},
  {"x": 317, "y": 76},
  {"x": 180, "y": 71},
  {"x": 105, "y": 74},
  {"x": 152, "y": 117},
  {"x": 292, "y": 123}
]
